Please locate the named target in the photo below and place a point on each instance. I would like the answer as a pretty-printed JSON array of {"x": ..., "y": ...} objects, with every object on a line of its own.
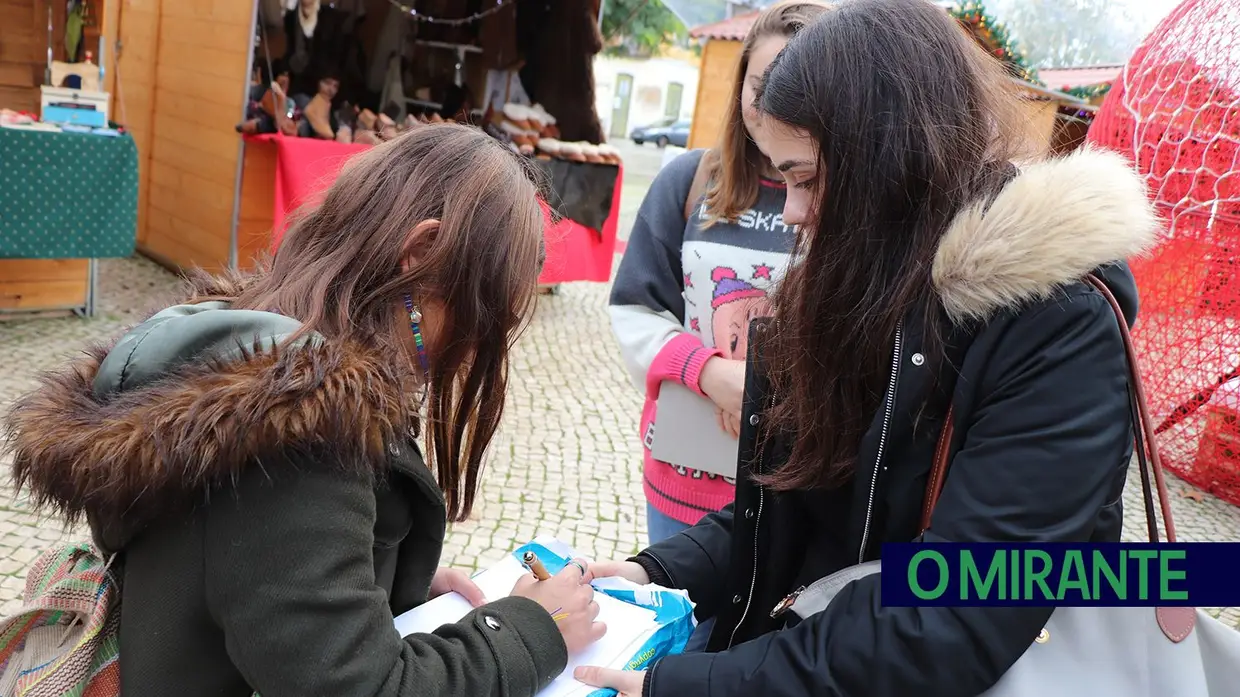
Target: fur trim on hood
[
  {"x": 1053, "y": 223},
  {"x": 85, "y": 442}
]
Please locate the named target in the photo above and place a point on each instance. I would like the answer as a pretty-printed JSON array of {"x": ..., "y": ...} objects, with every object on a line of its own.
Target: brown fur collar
[{"x": 147, "y": 451}]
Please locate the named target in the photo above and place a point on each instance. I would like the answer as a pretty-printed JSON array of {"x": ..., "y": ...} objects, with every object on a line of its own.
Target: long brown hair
[
  {"x": 911, "y": 121},
  {"x": 338, "y": 271},
  {"x": 736, "y": 162}
]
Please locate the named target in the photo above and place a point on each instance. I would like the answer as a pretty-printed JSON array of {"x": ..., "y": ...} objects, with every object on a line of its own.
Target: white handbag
[{"x": 1097, "y": 651}]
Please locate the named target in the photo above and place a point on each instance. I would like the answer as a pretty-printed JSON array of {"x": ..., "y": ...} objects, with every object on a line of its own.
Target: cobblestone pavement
[{"x": 566, "y": 462}]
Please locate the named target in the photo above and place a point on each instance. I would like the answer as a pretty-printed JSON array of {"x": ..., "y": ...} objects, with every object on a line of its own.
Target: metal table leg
[
  {"x": 93, "y": 275},
  {"x": 92, "y": 268}
]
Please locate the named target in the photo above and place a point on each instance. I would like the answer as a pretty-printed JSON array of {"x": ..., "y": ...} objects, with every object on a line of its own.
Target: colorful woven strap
[{"x": 65, "y": 640}]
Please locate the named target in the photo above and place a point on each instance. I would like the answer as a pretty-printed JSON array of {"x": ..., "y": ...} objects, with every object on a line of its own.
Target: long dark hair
[
  {"x": 736, "y": 162},
  {"x": 338, "y": 270},
  {"x": 911, "y": 120}
]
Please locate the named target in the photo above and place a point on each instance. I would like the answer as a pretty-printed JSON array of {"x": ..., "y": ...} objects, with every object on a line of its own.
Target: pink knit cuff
[{"x": 680, "y": 360}]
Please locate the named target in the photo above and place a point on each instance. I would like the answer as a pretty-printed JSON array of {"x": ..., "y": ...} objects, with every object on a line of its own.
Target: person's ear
[{"x": 417, "y": 241}]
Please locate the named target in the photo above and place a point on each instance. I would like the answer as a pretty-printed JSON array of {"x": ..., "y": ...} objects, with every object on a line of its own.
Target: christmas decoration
[
  {"x": 1173, "y": 113},
  {"x": 1094, "y": 94},
  {"x": 991, "y": 33}
]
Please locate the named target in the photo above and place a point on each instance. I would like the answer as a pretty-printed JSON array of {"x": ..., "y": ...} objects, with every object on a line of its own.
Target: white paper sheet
[{"x": 628, "y": 626}]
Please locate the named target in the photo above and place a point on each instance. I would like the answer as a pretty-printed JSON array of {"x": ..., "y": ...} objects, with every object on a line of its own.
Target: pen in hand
[{"x": 536, "y": 566}]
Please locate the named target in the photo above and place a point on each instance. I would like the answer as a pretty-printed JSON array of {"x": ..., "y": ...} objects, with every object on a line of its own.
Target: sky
[
  {"x": 1147, "y": 13},
  {"x": 696, "y": 12}
]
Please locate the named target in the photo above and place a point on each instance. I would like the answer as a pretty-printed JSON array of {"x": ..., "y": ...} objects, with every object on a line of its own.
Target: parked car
[{"x": 663, "y": 133}]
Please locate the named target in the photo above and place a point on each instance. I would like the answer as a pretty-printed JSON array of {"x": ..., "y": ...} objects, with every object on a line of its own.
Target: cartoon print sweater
[{"x": 684, "y": 294}]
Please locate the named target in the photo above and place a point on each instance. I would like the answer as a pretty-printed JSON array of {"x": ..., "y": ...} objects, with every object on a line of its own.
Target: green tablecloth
[{"x": 67, "y": 195}]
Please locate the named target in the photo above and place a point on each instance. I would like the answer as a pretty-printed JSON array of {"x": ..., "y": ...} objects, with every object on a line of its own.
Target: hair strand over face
[
  {"x": 736, "y": 162},
  {"x": 910, "y": 121}
]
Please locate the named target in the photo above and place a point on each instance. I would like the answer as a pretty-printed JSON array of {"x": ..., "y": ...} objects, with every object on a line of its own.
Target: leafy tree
[
  {"x": 1066, "y": 33},
  {"x": 640, "y": 27}
]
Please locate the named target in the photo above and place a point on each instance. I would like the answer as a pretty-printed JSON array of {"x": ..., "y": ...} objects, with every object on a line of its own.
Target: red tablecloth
[{"x": 305, "y": 167}]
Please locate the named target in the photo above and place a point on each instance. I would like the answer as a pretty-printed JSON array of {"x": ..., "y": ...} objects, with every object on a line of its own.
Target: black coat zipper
[
  {"x": 757, "y": 522},
  {"x": 888, "y": 409},
  {"x": 753, "y": 579}
]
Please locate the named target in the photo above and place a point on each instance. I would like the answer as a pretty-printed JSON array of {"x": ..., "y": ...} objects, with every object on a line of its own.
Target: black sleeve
[
  {"x": 1040, "y": 456},
  {"x": 694, "y": 560},
  {"x": 290, "y": 43},
  {"x": 291, "y": 586},
  {"x": 650, "y": 273}
]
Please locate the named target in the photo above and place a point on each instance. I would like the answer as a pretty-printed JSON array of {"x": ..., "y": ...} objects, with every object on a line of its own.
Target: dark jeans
[
  {"x": 697, "y": 640},
  {"x": 659, "y": 527}
]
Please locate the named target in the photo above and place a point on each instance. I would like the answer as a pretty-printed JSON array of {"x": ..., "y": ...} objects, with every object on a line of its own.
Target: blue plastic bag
[{"x": 673, "y": 611}]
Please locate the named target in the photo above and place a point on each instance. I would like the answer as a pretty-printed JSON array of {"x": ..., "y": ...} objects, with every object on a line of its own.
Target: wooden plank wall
[
  {"x": 179, "y": 86},
  {"x": 43, "y": 284},
  {"x": 34, "y": 284},
  {"x": 257, "y": 194},
  {"x": 718, "y": 71},
  {"x": 198, "y": 96},
  {"x": 23, "y": 52},
  {"x": 133, "y": 88}
]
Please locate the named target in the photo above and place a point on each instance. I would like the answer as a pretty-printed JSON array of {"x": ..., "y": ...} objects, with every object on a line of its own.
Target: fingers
[
  {"x": 592, "y": 610},
  {"x": 579, "y": 570},
  {"x": 605, "y": 569},
  {"x": 597, "y": 631},
  {"x": 729, "y": 422},
  {"x": 463, "y": 584},
  {"x": 599, "y": 677},
  {"x": 584, "y": 566}
]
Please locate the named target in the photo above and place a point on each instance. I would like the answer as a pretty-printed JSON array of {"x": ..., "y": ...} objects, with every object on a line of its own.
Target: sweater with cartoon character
[{"x": 683, "y": 294}]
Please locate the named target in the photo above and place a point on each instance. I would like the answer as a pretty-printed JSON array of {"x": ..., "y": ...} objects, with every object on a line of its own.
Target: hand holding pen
[{"x": 567, "y": 597}]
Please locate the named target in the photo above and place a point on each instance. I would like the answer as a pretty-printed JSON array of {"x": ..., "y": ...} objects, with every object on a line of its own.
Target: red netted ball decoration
[{"x": 1175, "y": 111}]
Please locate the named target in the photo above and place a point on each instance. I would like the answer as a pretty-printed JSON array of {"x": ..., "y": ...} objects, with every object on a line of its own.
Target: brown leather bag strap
[
  {"x": 1148, "y": 457},
  {"x": 938, "y": 471},
  {"x": 1146, "y": 448}
]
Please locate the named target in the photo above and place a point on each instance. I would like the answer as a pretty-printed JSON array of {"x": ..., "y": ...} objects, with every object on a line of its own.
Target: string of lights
[{"x": 413, "y": 14}]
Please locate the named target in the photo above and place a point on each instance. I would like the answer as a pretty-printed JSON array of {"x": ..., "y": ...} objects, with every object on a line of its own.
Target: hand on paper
[
  {"x": 569, "y": 598},
  {"x": 729, "y": 422},
  {"x": 627, "y": 682},
  {"x": 631, "y": 571},
  {"x": 454, "y": 580}
]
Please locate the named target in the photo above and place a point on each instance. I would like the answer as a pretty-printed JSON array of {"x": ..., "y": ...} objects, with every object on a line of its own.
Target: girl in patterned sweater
[{"x": 688, "y": 286}]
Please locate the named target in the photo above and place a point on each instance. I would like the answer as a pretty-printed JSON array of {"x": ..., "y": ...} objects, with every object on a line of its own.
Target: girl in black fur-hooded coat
[{"x": 938, "y": 277}]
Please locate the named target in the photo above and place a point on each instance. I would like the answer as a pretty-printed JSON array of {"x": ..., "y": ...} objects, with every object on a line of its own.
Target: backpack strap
[{"x": 697, "y": 189}]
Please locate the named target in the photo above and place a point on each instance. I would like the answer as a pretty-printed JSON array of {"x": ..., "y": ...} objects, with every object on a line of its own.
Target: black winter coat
[{"x": 1036, "y": 371}]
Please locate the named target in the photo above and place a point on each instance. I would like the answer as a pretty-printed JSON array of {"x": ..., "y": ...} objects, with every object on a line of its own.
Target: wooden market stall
[
  {"x": 1090, "y": 83},
  {"x": 175, "y": 71},
  {"x": 1057, "y": 120},
  {"x": 31, "y": 34},
  {"x": 210, "y": 197},
  {"x": 184, "y": 67},
  {"x": 721, "y": 53}
]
